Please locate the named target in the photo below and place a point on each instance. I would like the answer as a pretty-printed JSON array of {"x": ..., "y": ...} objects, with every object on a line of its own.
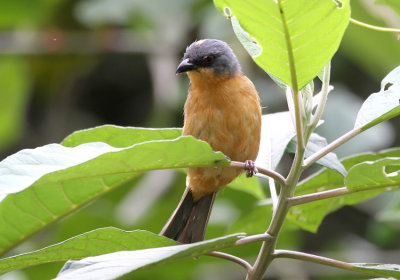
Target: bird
[{"x": 223, "y": 109}]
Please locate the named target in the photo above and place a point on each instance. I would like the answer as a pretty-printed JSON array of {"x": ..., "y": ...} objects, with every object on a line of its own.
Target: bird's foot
[{"x": 250, "y": 168}]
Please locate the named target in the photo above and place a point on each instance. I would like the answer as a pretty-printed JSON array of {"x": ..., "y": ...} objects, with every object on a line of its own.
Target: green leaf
[
  {"x": 92, "y": 243},
  {"x": 254, "y": 221},
  {"x": 383, "y": 270},
  {"x": 382, "y": 105},
  {"x": 120, "y": 137},
  {"x": 383, "y": 172},
  {"x": 58, "y": 193},
  {"x": 310, "y": 215},
  {"x": 248, "y": 185},
  {"x": 113, "y": 265},
  {"x": 276, "y": 132},
  {"x": 394, "y": 4},
  {"x": 297, "y": 38}
]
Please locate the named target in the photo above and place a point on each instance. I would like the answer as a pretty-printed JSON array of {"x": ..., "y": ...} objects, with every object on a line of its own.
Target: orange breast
[{"x": 226, "y": 113}]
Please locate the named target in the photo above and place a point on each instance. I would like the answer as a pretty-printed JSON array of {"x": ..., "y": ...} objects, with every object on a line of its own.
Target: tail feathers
[{"x": 189, "y": 221}]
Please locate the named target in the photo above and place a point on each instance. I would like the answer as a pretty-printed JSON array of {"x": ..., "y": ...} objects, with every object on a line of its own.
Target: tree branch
[
  {"x": 254, "y": 238},
  {"x": 312, "y": 258},
  {"x": 322, "y": 260},
  {"x": 338, "y": 142},
  {"x": 231, "y": 258},
  {"x": 302, "y": 199},
  {"x": 270, "y": 173}
]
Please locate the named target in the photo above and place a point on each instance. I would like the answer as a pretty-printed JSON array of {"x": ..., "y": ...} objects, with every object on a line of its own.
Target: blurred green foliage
[{"x": 52, "y": 52}]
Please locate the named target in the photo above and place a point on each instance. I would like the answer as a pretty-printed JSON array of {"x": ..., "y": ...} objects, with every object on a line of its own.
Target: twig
[
  {"x": 253, "y": 238},
  {"x": 311, "y": 258},
  {"x": 302, "y": 199},
  {"x": 324, "y": 96},
  {"x": 322, "y": 260},
  {"x": 373, "y": 27},
  {"x": 339, "y": 141},
  {"x": 231, "y": 258},
  {"x": 270, "y": 173}
]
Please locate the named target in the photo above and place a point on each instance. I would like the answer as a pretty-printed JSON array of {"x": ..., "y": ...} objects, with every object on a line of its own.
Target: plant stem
[
  {"x": 373, "y": 27},
  {"x": 311, "y": 258},
  {"x": 231, "y": 258},
  {"x": 270, "y": 173},
  {"x": 324, "y": 96},
  {"x": 340, "y": 141},
  {"x": 264, "y": 257},
  {"x": 302, "y": 199},
  {"x": 322, "y": 260},
  {"x": 253, "y": 238}
]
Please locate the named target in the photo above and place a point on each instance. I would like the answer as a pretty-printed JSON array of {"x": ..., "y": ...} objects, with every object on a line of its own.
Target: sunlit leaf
[
  {"x": 276, "y": 132},
  {"x": 291, "y": 40},
  {"x": 93, "y": 243},
  {"x": 383, "y": 172},
  {"x": 113, "y": 265},
  {"x": 49, "y": 195},
  {"x": 310, "y": 215},
  {"x": 120, "y": 137},
  {"x": 382, "y": 105},
  {"x": 378, "y": 269}
]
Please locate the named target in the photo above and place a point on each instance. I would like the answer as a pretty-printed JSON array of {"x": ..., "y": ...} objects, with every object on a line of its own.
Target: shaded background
[{"x": 69, "y": 65}]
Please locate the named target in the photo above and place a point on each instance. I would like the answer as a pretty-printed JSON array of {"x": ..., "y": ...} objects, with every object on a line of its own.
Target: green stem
[
  {"x": 374, "y": 27},
  {"x": 302, "y": 199},
  {"x": 324, "y": 261},
  {"x": 338, "y": 142},
  {"x": 265, "y": 255}
]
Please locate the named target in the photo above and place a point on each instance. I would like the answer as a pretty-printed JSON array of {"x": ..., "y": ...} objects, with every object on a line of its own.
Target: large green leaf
[
  {"x": 382, "y": 105},
  {"x": 114, "y": 265},
  {"x": 292, "y": 40},
  {"x": 310, "y": 215},
  {"x": 58, "y": 193},
  {"x": 119, "y": 136},
  {"x": 383, "y": 172},
  {"x": 377, "y": 269},
  {"x": 93, "y": 243}
]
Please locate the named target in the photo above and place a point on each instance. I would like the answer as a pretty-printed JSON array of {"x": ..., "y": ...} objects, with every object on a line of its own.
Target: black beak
[{"x": 185, "y": 66}]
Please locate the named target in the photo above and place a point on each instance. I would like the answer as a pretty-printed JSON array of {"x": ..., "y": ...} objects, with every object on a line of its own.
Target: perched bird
[{"x": 223, "y": 109}]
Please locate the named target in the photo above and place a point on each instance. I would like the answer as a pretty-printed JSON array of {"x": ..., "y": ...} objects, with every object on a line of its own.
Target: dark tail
[{"x": 189, "y": 221}]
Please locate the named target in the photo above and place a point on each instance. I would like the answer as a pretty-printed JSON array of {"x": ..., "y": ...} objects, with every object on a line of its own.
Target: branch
[
  {"x": 322, "y": 260},
  {"x": 254, "y": 238},
  {"x": 302, "y": 199},
  {"x": 270, "y": 173},
  {"x": 338, "y": 142},
  {"x": 312, "y": 258},
  {"x": 374, "y": 27},
  {"x": 231, "y": 258}
]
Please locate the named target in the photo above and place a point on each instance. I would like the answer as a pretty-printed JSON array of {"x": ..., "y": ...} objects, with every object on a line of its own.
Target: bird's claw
[{"x": 250, "y": 168}]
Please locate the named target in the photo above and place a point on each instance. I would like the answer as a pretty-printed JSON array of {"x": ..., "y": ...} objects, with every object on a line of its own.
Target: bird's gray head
[{"x": 210, "y": 54}]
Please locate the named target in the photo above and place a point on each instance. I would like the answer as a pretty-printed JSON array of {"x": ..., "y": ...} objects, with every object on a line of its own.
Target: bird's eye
[{"x": 208, "y": 59}]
